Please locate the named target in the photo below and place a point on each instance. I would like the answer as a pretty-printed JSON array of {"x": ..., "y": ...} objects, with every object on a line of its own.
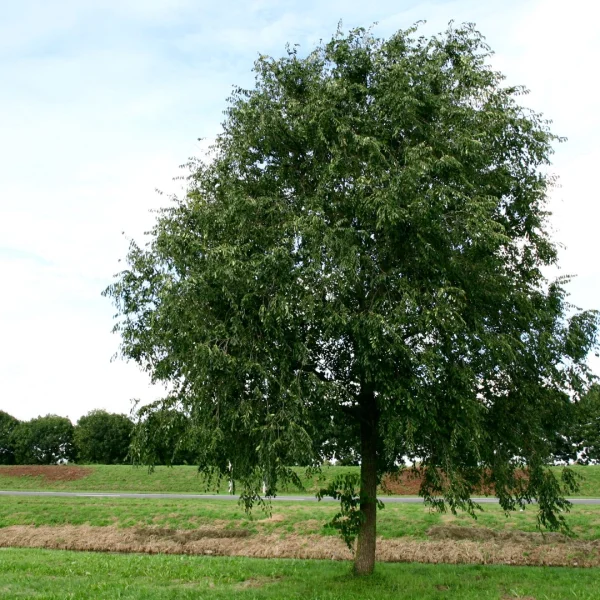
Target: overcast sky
[{"x": 101, "y": 100}]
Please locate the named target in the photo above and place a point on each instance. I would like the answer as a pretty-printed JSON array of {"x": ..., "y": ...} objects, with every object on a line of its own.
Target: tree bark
[{"x": 364, "y": 561}]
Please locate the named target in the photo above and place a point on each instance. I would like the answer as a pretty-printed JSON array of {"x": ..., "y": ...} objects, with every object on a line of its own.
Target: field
[
  {"x": 394, "y": 521},
  {"x": 407, "y": 532},
  {"x": 60, "y": 575},
  {"x": 190, "y": 548},
  {"x": 124, "y": 478},
  {"x": 185, "y": 479}
]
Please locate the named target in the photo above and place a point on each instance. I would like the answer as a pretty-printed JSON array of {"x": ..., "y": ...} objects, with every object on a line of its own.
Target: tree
[
  {"x": 161, "y": 437},
  {"x": 103, "y": 437},
  {"x": 7, "y": 426},
  {"x": 43, "y": 441},
  {"x": 586, "y": 433},
  {"x": 366, "y": 248},
  {"x": 580, "y": 442}
]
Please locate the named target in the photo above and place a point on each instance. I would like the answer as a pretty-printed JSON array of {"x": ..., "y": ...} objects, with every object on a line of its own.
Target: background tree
[
  {"x": 43, "y": 441},
  {"x": 586, "y": 434},
  {"x": 102, "y": 437},
  {"x": 162, "y": 436},
  {"x": 7, "y": 426},
  {"x": 365, "y": 249},
  {"x": 581, "y": 441}
]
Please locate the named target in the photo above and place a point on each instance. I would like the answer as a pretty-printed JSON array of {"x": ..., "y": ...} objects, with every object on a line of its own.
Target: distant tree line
[
  {"x": 107, "y": 438},
  {"x": 99, "y": 437}
]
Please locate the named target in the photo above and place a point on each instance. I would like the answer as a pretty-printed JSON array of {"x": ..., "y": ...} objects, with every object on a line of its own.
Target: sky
[{"x": 102, "y": 100}]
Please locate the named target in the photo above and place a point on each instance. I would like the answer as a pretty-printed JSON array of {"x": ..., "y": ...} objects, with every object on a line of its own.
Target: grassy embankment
[
  {"x": 185, "y": 479},
  {"x": 408, "y": 532},
  {"x": 395, "y": 521},
  {"x": 124, "y": 478},
  {"x": 60, "y": 574}
]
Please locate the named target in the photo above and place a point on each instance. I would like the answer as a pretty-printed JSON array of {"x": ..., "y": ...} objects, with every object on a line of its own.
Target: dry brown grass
[
  {"x": 274, "y": 518},
  {"x": 483, "y": 534},
  {"x": 479, "y": 548}
]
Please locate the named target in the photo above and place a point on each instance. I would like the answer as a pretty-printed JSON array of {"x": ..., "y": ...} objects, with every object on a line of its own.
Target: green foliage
[
  {"x": 581, "y": 441},
  {"x": 346, "y": 489},
  {"x": 587, "y": 429},
  {"x": 7, "y": 426},
  {"x": 102, "y": 437},
  {"x": 366, "y": 245},
  {"x": 43, "y": 441},
  {"x": 161, "y": 437}
]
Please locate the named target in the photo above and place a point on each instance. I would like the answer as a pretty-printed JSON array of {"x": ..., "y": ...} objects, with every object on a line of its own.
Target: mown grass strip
[
  {"x": 177, "y": 479},
  {"x": 53, "y": 575}
]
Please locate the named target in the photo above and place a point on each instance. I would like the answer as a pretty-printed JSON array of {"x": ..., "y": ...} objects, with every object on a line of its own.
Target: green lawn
[
  {"x": 185, "y": 479},
  {"x": 178, "y": 479},
  {"x": 395, "y": 520},
  {"x": 53, "y": 574}
]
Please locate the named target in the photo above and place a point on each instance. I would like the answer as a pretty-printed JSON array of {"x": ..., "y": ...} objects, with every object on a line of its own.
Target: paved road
[{"x": 386, "y": 499}]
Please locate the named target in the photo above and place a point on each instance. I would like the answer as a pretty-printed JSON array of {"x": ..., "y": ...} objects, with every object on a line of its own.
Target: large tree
[
  {"x": 43, "y": 441},
  {"x": 103, "y": 437},
  {"x": 360, "y": 264}
]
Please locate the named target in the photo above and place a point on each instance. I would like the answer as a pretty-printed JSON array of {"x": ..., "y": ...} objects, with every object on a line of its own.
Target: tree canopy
[
  {"x": 580, "y": 440},
  {"x": 360, "y": 264},
  {"x": 103, "y": 437},
  {"x": 43, "y": 441},
  {"x": 7, "y": 426}
]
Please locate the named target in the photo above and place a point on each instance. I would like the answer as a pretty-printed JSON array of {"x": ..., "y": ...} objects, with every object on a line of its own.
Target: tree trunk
[{"x": 364, "y": 561}]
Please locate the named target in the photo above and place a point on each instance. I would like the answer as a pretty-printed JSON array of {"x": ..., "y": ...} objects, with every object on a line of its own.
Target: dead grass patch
[
  {"x": 274, "y": 518},
  {"x": 184, "y": 536},
  {"x": 483, "y": 534},
  {"x": 47, "y": 472},
  {"x": 256, "y": 582},
  {"x": 226, "y": 542},
  {"x": 308, "y": 525}
]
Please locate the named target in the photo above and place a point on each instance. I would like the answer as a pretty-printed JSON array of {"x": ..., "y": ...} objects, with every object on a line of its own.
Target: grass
[
  {"x": 185, "y": 479},
  {"x": 53, "y": 575},
  {"x": 589, "y": 484},
  {"x": 178, "y": 479},
  {"x": 396, "y": 520}
]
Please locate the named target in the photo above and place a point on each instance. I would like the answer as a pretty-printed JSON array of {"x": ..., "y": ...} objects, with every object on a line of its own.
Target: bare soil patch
[
  {"x": 47, "y": 472},
  {"x": 222, "y": 542},
  {"x": 405, "y": 483},
  {"x": 408, "y": 483}
]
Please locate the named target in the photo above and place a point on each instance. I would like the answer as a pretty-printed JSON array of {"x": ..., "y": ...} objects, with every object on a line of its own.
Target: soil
[
  {"x": 408, "y": 482},
  {"x": 405, "y": 483},
  {"x": 47, "y": 472},
  {"x": 529, "y": 549}
]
